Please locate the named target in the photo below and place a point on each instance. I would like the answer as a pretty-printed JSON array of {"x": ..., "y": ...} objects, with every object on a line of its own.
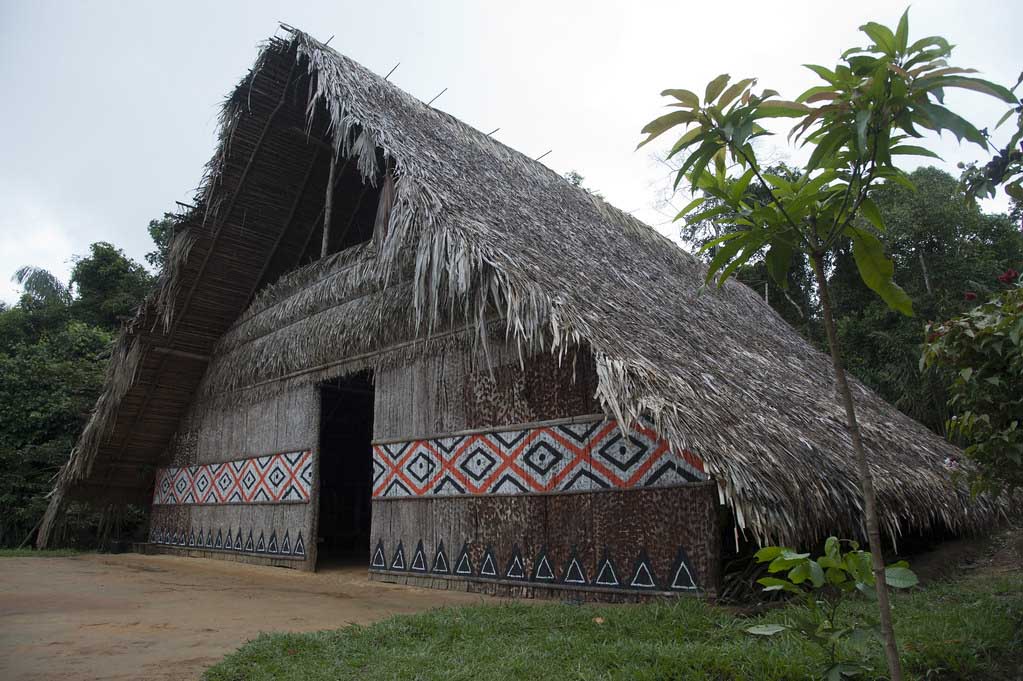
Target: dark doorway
[{"x": 346, "y": 471}]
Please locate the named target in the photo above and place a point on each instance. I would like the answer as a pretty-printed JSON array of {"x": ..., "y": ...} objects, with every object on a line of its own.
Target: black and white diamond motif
[
  {"x": 421, "y": 467},
  {"x": 181, "y": 485},
  {"x": 249, "y": 479},
  {"x": 477, "y": 463},
  {"x": 277, "y": 476},
  {"x": 623, "y": 453},
  {"x": 542, "y": 457}
]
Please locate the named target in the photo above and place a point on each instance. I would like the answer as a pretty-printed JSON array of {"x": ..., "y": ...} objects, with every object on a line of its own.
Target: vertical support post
[{"x": 328, "y": 205}]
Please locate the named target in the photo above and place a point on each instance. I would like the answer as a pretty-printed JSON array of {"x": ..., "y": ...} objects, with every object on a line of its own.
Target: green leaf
[
  {"x": 976, "y": 84},
  {"x": 900, "y": 577},
  {"x": 780, "y": 108},
  {"x": 902, "y": 32},
  {"x": 734, "y": 91},
  {"x": 870, "y": 211},
  {"x": 691, "y": 137},
  {"x": 910, "y": 150},
  {"x": 862, "y": 118},
  {"x": 768, "y": 553},
  {"x": 685, "y": 96},
  {"x": 778, "y": 260},
  {"x": 715, "y": 87},
  {"x": 877, "y": 270},
  {"x": 766, "y": 629},
  {"x": 659, "y": 126},
  {"x": 882, "y": 37},
  {"x": 826, "y": 74},
  {"x": 941, "y": 118},
  {"x": 816, "y": 574},
  {"x": 695, "y": 203}
]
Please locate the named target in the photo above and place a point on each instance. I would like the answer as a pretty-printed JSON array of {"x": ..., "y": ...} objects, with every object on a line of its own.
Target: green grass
[
  {"x": 32, "y": 553},
  {"x": 969, "y": 629}
]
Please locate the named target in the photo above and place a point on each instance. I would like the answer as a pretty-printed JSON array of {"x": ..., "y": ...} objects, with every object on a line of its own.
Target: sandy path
[{"x": 164, "y": 617}]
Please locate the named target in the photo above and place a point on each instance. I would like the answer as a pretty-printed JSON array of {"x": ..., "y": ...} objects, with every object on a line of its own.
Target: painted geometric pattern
[
  {"x": 578, "y": 456},
  {"x": 275, "y": 478},
  {"x": 238, "y": 540},
  {"x": 633, "y": 572}
]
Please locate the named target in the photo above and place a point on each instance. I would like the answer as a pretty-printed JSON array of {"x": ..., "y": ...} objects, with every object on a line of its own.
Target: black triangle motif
[
  {"x": 191, "y": 537},
  {"x": 606, "y": 575},
  {"x": 542, "y": 571},
  {"x": 229, "y": 542},
  {"x": 419, "y": 560},
  {"x": 261, "y": 544},
  {"x": 209, "y": 538},
  {"x": 219, "y": 543},
  {"x": 487, "y": 567},
  {"x": 574, "y": 572},
  {"x": 271, "y": 546},
  {"x": 238, "y": 541},
  {"x": 683, "y": 579},
  {"x": 440, "y": 561},
  {"x": 300, "y": 545},
  {"x": 286, "y": 544},
  {"x": 515, "y": 569},
  {"x": 249, "y": 546},
  {"x": 398, "y": 562},
  {"x": 464, "y": 566},
  {"x": 643, "y": 574},
  {"x": 378, "y": 557}
]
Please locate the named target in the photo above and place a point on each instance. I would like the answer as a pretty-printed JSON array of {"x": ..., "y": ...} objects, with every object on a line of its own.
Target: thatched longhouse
[{"x": 465, "y": 371}]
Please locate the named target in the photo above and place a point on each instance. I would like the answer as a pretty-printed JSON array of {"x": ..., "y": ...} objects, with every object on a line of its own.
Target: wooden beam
[{"x": 328, "y": 205}]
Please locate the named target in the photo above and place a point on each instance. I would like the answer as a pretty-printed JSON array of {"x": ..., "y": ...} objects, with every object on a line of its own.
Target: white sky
[{"x": 109, "y": 109}]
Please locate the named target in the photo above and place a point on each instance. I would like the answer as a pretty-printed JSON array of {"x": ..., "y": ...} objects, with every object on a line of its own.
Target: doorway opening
[{"x": 346, "y": 471}]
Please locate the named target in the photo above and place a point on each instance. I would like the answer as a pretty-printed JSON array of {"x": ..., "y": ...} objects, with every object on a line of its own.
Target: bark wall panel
[{"x": 598, "y": 545}]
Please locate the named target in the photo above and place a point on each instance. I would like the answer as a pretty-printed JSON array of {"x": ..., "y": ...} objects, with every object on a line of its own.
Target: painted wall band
[
  {"x": 272, "y": 479},
  {"x": 634, "y": 573},
  {"x": 561, "y": 458}
]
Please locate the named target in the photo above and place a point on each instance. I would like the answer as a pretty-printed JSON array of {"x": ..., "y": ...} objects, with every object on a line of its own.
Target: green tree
[
  {"x": 109, "y": 286},
  {"x": 161, "y": 231},
  {"x": 862, "y": 116},
  {"x": 47, "y": 388},
  {"x": 945, "y": 249}
]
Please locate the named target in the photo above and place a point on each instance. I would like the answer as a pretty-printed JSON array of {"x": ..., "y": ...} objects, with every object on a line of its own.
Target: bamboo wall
[{"x": 287, "y": 423}]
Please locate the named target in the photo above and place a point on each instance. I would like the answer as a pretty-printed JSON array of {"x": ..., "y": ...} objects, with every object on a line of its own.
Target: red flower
[
  {"x": 1008, "y": 276},
  {"x": 970, "y": 295}
]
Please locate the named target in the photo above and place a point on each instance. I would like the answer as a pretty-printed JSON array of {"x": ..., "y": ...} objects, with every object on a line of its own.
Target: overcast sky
[{"x": 109, "y": 109}]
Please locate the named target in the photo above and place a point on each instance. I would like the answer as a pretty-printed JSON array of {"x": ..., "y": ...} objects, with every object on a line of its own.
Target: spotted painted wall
[{"x": 640, "y": 541}]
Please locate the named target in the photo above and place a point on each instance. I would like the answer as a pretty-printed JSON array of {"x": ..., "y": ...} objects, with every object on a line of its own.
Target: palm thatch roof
[{"x": 480, "y": 237}]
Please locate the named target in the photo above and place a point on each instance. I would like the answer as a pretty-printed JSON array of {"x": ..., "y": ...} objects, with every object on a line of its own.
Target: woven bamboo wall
[{"x": 287, "y": 423}]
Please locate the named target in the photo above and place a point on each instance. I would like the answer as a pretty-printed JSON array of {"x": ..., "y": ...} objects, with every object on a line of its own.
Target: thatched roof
[{"x": 477, "y": 232}]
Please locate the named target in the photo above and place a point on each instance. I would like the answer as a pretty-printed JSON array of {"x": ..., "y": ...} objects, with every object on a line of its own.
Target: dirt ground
[{"x": 168, "y": 618}]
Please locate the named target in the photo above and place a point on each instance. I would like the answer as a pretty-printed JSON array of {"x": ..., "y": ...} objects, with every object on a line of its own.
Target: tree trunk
[
  {"x": 927, "y": 276},
  {"x": 891, "y": 649}
]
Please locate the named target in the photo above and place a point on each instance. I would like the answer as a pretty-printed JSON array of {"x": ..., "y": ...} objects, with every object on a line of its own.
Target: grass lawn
[
  {"x": 968, "y": 629},
  {"x": 32, "y": 553}
]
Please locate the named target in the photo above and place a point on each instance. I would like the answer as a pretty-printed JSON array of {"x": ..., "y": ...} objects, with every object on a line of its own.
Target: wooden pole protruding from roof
[{"x": 328, "y": 205}]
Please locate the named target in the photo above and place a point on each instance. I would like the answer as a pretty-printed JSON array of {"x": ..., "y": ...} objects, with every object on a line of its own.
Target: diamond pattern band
[
  {"x": 277, "y": 478},
  {"x": 578, "y": 456}
]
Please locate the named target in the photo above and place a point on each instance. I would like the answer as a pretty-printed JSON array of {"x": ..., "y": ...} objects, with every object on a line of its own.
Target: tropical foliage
[
  {"x": 869, "y": 110},
  {"x": 984, "y": 349},
  {"x": 827, "y": 583},
  {"x": 54, "y": 348}
]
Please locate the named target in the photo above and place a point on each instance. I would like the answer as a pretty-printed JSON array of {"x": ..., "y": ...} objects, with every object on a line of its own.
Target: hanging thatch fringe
[{"x": 476, "y": 231}]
